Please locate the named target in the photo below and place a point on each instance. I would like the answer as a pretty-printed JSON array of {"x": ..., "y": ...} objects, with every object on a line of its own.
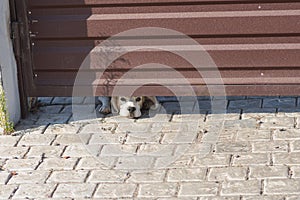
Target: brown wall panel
[{"x": 255, "y": 44}]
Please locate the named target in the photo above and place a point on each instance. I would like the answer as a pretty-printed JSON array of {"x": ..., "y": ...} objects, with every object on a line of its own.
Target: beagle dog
[{"x": 130, "y": 107}]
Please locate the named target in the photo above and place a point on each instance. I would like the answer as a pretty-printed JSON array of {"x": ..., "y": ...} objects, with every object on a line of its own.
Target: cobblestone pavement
[{"x": 256, "y": 156}]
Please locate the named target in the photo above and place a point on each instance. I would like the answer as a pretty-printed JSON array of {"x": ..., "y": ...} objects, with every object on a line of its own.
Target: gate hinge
[{"x": 15, "y": 36}]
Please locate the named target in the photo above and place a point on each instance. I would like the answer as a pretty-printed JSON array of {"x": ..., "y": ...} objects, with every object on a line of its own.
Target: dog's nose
[{"x": 131, "y": 109}]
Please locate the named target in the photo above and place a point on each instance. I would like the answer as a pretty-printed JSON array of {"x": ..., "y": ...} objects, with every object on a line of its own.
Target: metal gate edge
[{"x": 22, "y": 49}]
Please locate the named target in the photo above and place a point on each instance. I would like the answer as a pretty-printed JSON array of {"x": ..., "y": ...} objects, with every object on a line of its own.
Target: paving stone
[
  {"x": 212, "y": 127},
  {"x": 31, "y": 128},
  {"x": 187, "y": 98},
  {"x": 194, "y": 149},
  {"x": 116, "y": 120},
  {"x": 201, "y": 98},
  {"x": 21, "y": 164},
  {"x": 67, "y": 109},
  {"x": 277, "y": 122},
  {"x": 194, "y": 174},
  {"x": 227, "y": 116},
  {"x": 258, "y": 113},
  {"x": 226, "y": 136},
  {"x": 295, "y": 171},
  {"x": 274, "y": 146},
  {"x": 249, "y": 159},
  {"x": 173, "y": 162},
  {"x": 45, "y": 100},
  {"x": 135, "y": 162},
  {"x": 204, "y": 104},
  {"x": 53, "y": 119},
  {"x": 216, "y": 160},
  {"x": 80, "y": 150},
  {"x": 83, "y": 111},
  {"x": 188, "y": 117},
  {"x": 235, "y": 97},
  {"x": 62, "y": 100},
  {"x": 107, "y": 138},
  {"x": 203, "y": 188},
  {"x": 107, "y": 176},
  {"x": 233, "y": 147},
  {"x": 292, "y": 197},
  {"x": 88, "y": 163},
  {"x": 262, "y": 172},
  {"x": 170, "y": 198},
  {"x": 2, "y": 162},
  {"x": 58, "y": 164},
  {"x": 133, "y": 127},
  {"x": 271, "y": 197},
  {"x": 298, "y": 122},
  {"x": 253, "y": 103},
  {"x": 282, "y": 186},
  {"x": 287, "y": 158},
  {"x": 8, "y": 141},
  {"x": 57, "y": 199},
  {"x": 175, "y": 107},
  {"x": 151, "y": 176},
  {"x": 36, "y": 139},
  {"x": 45, "y": 151},
  {"x": 279, "y": 103},
  {"x": 214, "y": 106},
  {"x": 174, "y": 127},
  {"x": 228, "y": 173},
  {"x": 32, "y": 191},
  {"x": 91, "y": 118},
  {"x": 248, "y": 187},
  {"x": 118, "y": 150},
  {"x": 288, "y": 112},
  {"x": 71, "y": 139},
  {"x": 156, "y": 150},
  {"x": 6, "y": 191},
  {"x": 62, "y": 129},
  {"x": 77, "y": 176},
  {"x": 115, "y": 191},
  {"x": 158, "y": 116},
  {"x": 54, "y": 109},
  {"x": 13, "y": 152},
  {"x": 3, "y": 177},
  {"x": 231, "y": 113},
  {"x": 241, "y": 124},
  {"x": 99, "y": 128},
  {"x": 78, "y": 190},
  {"x": 137, "y": 139},
  {"x": 27, "y": 123},
  {"x": 253, "y": 135},
  {"x": 29, "y": 177},
  {"x": 219, "y": 198},
  {"x": 91, "y": 100},
  {"x": 295, "y": 146},
  {"x": 157, "y": 190},
  {"x": 179, "y": 137},
  {"x": 162, "y": 99},
  {"x": 286, "y": 134}
]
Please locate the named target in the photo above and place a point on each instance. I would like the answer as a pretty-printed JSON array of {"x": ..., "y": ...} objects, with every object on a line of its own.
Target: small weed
[{"x": 5, "y": 124}]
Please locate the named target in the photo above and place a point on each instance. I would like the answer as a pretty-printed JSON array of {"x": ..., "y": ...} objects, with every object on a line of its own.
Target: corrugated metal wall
[{"x": 255, "y": 44}]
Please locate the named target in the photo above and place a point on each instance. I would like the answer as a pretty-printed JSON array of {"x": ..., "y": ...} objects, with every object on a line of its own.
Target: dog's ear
[
  {"x": 115, "y": 105},
  {"x": 155, "y": 103}
]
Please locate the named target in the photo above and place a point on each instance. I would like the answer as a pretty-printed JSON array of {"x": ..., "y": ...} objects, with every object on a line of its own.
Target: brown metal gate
[{"x": 255, "y": 43}]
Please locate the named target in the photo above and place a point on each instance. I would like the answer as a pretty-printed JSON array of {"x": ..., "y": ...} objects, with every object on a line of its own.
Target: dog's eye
[
  {"x": 138, "y": 99},
  {"x": 123, "y": 99}
]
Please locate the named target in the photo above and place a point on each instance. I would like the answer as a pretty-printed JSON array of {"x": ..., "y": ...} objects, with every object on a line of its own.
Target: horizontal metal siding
[{"x": 255, "y": 44}]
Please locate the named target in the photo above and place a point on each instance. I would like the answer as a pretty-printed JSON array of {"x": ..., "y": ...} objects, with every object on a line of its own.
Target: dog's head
[{"x": 131, "y": 106}]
